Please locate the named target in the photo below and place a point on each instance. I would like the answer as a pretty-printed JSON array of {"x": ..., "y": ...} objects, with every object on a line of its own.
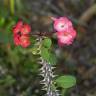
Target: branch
[
  {"x": 88, "y": 14},
  {"x": 48, "y": 34}
]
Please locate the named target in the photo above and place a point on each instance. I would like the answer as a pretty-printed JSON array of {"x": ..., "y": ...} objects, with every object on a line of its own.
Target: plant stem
[
  {"x": 48, "y": 34},
  {"x": 63, "y": 92},
  {"x": 18, "y": 5},
  {"x": 6, "y": 3},
  {"x": 12, "y": 6}
]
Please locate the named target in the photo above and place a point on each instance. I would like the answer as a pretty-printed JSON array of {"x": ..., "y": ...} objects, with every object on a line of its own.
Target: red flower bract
[
  {"x": 17, "y": 27},
  {"x": 24, "y": 41},
  {"x": 16, "y": 39},
  {"x": 25, "y": 29},
  {"x": 20, "y": 32}
]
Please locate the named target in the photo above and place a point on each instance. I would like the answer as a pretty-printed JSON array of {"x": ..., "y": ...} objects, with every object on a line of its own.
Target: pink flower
[
  {"x": 66, "y": 38},
  {"x": 65, "y": 31},
  {"x": 61, "y": 24}
]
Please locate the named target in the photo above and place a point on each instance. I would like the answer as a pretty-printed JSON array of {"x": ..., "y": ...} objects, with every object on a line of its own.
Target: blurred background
[{"x": 18, "y": 67}]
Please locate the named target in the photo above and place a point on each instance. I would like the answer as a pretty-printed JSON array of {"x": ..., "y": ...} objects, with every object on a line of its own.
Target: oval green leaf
[
  {"x": 66, "y": 81},
  {"x": 45, "y": 53},
  {"x": 47, "y": 42}
]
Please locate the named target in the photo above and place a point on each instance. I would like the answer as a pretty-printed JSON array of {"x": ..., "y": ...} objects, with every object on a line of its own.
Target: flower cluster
[
  {"x": 63, "y": 26},
  {"x": 21, "y": 31},
  {"x": 65, "y": 31}
]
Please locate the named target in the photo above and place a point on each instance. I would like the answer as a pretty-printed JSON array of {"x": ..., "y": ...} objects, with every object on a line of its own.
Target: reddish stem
[{"x": 48, "y": 34}]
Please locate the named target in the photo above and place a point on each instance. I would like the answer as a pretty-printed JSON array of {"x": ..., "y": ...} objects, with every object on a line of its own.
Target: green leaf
[
  {"x": 9, "y": 80},
  {"x": 45, "y": 53},
  {"x": 10, "y": 26},
  {"x": 30, "y": 67},
  {"x": 66, "y": 81},
  {"x": 2, "y": 21},
  {"x": 4, "y": 38},
  {"x": 47, "y": 42},
  {"x": 52, "y": 59},
  {"x": 48, "y": 56}
]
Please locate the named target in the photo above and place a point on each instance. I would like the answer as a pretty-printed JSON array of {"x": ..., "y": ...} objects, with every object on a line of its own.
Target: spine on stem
[{"x": 46, "y": 72}]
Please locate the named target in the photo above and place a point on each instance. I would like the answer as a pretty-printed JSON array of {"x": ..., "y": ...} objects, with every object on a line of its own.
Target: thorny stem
[{"x": 47, "y": 74}]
